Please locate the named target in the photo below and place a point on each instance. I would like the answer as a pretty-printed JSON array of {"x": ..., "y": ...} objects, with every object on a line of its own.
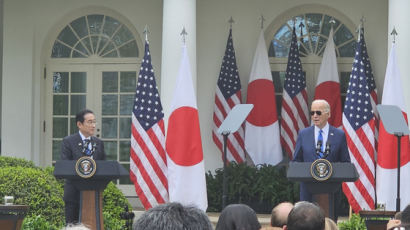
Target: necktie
[
  {"x": 87, "y": 151},
  {"x": 320, "y": 138}
]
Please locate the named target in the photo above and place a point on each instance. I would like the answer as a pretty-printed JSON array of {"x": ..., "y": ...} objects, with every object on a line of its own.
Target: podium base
[{"x": 91, "y": 209}]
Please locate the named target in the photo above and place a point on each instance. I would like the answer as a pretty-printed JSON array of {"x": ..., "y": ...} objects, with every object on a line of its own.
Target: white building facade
[{"x": 60, "y": 56}]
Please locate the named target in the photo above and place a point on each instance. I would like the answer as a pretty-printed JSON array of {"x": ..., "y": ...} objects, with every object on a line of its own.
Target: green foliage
[
  {"x": 38, "y": 188},
  {"x": 37, "y": 222},
  {"x": 354, "y": 223},
  {"x": 114, "y": 203},
  {"x": 260, "y": 187},
  {"x": 13, "y": 162},
  {"x": 34, "y": 187}
]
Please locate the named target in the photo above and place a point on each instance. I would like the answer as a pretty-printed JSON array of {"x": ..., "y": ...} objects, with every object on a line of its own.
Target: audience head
[
  {"x": 330, "y": 224},
  {"x": 238, "y": 217},
  {"x": 173, "y": 216},
  {"x": 305, "y": 216},
  {"x": 280, "y": 214},
  {"x": 405, "y": 218}
]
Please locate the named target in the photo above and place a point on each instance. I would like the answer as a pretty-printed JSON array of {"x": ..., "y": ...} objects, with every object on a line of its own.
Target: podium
[
  {"x": 91, "y": 188},
  {"x": 323, "y": 192}
]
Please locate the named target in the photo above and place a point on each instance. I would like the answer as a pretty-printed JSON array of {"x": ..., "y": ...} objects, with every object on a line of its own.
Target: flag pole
[{"x": 225, "y": 174}]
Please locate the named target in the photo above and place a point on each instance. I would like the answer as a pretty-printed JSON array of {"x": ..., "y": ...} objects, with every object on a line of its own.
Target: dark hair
[
  {"x": 405, "y": 216},
  {"x": 306, "y": 216},
  {"x": 80, "y": 115},
  {"x": 238, "y": 217},
  {"x": 173, "y": 216}
]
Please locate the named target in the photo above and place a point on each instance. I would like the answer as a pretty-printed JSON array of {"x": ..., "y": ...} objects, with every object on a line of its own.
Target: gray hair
[
  {"x": 75, "y": 227},
  {"x": 322, "y": 101},
  {"x": 173, "y": 216}
]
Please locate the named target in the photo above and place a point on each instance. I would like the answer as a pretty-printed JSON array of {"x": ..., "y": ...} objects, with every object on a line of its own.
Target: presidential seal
[
  {"x": 321, "y": 169},
  {"x": 85, "y": 167}
]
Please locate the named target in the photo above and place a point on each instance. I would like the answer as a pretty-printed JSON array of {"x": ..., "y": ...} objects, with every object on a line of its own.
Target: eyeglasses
[
  {"x": 317, "y": 112},
  {"x": 90, "y": 122}
]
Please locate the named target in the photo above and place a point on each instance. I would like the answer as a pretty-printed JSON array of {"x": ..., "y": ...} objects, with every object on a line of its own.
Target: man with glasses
[
  {"x": 320, "y": 140},
  {"x": 82, "y": 143}
]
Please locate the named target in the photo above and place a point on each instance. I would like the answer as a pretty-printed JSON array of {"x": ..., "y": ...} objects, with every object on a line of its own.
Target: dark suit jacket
[
  {"x": 71, "y": 149},
  {"x": 305, "y": 150}
]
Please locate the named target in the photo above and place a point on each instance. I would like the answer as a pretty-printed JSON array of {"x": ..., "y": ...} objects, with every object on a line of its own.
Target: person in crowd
[
  {"x": 238, "y": 217},
  {"x": 305, "y": 216},
  {"x": 75, "y": 146},
  {"x": 280, "y": 214},
  {"x": 75, "y": 227},
  {"x": 330, "y": 224},
  {"x": 173, "y": 216},
  {"x": 401, "y": 220}
]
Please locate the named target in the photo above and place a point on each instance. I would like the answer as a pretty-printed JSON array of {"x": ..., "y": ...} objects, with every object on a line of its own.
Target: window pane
[
  {"x": 125, "y": 180},
  {"x": 126, "y": 104},
  {"x": 128, "y": 81},
  {"x": 326, "y": 25},
  {"x": 284, "y": 34},
  {"x": 122, "y": 36},
  {"x": 125, "y": 150},
  {"x": 78, "y": 55},
  {"x": 73, "y": 126},
  {"x": 109, "y": 128},
  {"x": 314, "y": 22},
  {"x": 77, "y": 103},
  {"x": 129, "y": 50},
  {"x": 125, "y": 127},
  {"x": 110, "y": 82},
  {"x": 109, "y": 48},
  {"x": 60, "y": 127},
  {"x": 111, "y": 54},
  {"x": 276, "y": 49},
  {"x": 110, "y": 26},
  {"x": 342, "y": 35},
  {"x": 67, "y": 36},
  {"x": 60, "y": 82},
  {"x": 81, "y": 48},
  {"x": 94, "y": 23},
  {"x": 348, "y": 50},
  {"x": 56, "y": 150},
  {"x": 109, "y": 104},
  {"x": 60, "y": 50},
  {"x": 60, "y": 105},
  {"x": 80, "y": 27},
  {"x": 110, "y": 148},
  {"x": 94, "y": 40},
  {"x": 78, "y": 82}
]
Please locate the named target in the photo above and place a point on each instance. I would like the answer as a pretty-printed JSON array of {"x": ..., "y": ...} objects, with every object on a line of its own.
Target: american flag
[
  {"x": 147, "y": 154},
  {"x": 295, "y": 112},
  {"x": 359, "y": 126},
  {"x": 370, "y": 80},
  {"x": 227, "y": 95}
]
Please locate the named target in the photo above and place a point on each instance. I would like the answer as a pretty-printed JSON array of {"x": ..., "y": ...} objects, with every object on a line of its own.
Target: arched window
[
  {"x": 93, "y": 63},
  {"x": 97, "y": 35},
  {"x": 313, "y": 25}
]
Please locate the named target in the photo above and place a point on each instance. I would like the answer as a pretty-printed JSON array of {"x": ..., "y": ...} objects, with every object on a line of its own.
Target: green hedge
[
  {"x": 38, "y": 188},
  {"x": 260, "y": 187}
]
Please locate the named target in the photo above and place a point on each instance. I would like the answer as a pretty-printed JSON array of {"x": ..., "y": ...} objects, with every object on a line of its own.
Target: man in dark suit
[
  {"x": 75, "y": 146},
  {"x": 320, "y": 141}
]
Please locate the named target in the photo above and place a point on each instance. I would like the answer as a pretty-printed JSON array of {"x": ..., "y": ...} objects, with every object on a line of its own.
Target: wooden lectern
[
  {"x": 91, "y": 188},
  {"x": 323, "y": 191}
]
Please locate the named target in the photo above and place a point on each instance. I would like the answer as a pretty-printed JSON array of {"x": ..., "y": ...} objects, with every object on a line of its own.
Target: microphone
[
  {"x": 318, "y": 147},
  {"x": 327, "y": 149}
]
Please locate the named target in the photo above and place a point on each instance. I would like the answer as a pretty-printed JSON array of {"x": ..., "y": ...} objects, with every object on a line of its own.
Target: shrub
[
  {"x": 354, "y": 223},
  {"x": 34, "y": 187},
  {"x": 260, "y": 187},
  {"x": 38, "y": 188}
]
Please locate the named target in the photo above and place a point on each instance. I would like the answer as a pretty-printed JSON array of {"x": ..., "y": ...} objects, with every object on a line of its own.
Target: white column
[
  {"x": 400, "y": 19},
  {"x": 176, "y": 15}
]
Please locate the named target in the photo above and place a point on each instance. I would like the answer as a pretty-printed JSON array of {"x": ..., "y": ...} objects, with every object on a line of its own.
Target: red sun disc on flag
[
  {"x": 184, "y": 145},
  {"x": 261, "y": 93}
]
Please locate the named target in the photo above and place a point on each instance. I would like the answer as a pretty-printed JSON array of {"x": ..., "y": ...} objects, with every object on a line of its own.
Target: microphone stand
[{"x": 225, "y": 174}]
